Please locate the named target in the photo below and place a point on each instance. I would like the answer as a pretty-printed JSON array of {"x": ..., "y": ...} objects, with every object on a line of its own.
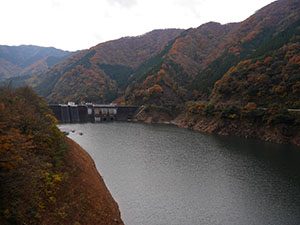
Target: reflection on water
[{"x": 163, "y": 175}]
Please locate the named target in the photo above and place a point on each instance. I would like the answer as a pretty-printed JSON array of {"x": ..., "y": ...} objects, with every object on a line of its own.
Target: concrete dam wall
[{"x": 85, "y": 113}]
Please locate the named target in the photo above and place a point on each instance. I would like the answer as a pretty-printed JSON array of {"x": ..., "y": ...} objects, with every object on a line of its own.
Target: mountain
[
  {"x": 102, "y": 73},
  {"x": 238, "y": 78},
  {"x": 16, "y": 61},
  {"x": 235, "y": 79},
  {"x": 166, "y": 81},
  {"x": 99, "y": 73},
  {"x": 198, "y": 58}
]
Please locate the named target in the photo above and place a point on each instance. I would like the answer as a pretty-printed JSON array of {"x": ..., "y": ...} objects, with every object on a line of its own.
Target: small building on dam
[{"x": 83, "y": 113}]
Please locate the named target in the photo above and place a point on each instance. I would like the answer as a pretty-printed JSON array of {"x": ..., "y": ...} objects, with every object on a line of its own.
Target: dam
[{"x": 93, "y": 113}]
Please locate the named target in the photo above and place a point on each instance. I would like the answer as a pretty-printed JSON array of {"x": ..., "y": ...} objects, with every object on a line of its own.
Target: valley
[{"x": 214, "y": 74}]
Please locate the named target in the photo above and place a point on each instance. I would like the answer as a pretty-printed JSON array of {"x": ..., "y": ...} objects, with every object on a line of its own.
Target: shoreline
[
  {"x": 85, "y": 186},
  {"x": 207, "y": 126},
  {"x": 242, "y": 129}
]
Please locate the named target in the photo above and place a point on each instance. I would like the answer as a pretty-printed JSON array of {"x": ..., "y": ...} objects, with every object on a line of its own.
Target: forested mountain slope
[
  {"x": 246, "y": 83},
  {"x": 189, "y": 68},
  {"x": 218, "y": 72},
  {"x": 100, "y": 73},
  {"x": 16, "y": 61}
]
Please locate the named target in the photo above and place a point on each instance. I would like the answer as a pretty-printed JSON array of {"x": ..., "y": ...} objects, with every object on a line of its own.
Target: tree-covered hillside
[
  {"x": 198, "y": 58},
  {"x": 100, "y": 73},
  {"x": 31, "y": 155},
  {"x": 42, "y": 173}
]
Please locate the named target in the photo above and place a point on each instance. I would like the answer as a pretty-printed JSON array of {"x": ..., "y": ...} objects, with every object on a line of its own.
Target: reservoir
[{"x": 164, "y": 175}]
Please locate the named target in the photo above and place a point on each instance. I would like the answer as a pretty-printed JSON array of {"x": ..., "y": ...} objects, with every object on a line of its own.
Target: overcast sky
[{"x": 80, "y": 24}]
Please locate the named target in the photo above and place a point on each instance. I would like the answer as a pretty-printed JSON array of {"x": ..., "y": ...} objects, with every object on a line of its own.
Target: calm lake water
[{"x": 163, "y": 175}]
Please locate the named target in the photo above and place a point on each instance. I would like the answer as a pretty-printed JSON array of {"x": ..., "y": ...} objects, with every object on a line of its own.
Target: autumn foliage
[
  {"x": 31, "y": 156},
  {"x": 267, "y": 80}
]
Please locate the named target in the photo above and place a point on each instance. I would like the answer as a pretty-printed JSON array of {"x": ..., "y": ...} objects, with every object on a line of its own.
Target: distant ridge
[{"x": 16, "y": 61}]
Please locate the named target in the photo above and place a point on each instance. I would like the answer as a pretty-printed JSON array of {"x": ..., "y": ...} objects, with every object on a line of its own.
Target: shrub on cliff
[
  {"x": 230, "y": 112},
  {"x": 195, "y": 107},
  {"x": 282, "y": 116},
  {"x": 209, "y": 110}
]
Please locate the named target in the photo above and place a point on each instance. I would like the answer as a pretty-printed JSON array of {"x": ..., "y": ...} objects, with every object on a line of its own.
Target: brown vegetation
[
  {"x": 46, "y": 179},
  {"x": 244, "y": 83},
  {"x": 100, "y": 73}
]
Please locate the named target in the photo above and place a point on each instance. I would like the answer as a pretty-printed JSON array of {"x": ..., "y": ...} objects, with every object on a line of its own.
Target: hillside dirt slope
[{"x": 89, "y": 200}]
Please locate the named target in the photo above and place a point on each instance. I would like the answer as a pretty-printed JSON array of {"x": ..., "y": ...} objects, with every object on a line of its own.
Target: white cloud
[
  {"x": 55, "y": 3},
  {"x": 125, "y": 3},
  {"x": 79, "y": 24}
]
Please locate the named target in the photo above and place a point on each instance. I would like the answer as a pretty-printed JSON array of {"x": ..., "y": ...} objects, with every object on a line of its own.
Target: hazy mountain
[{"x": 25, "y": 60}]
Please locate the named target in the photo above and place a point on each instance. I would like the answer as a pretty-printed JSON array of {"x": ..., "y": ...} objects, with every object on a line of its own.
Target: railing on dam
[{"x": 83, "y": 113}]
